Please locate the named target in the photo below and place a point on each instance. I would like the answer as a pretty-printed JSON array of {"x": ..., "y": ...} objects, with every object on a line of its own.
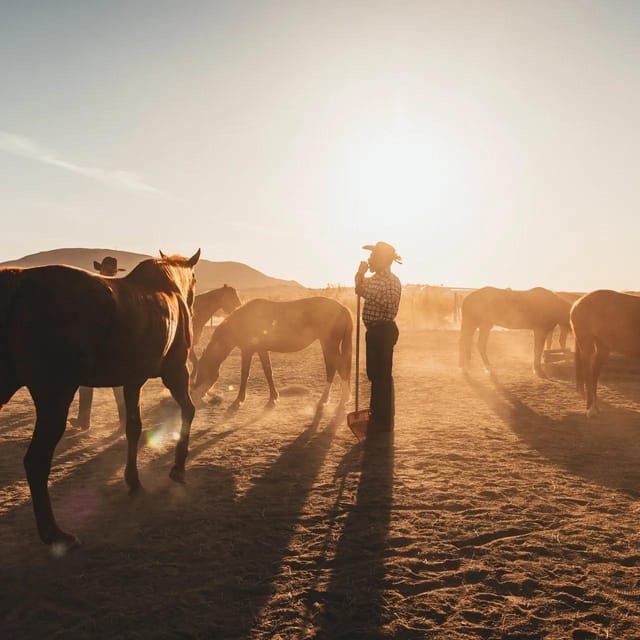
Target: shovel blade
[{"x": 358, "y": 422}]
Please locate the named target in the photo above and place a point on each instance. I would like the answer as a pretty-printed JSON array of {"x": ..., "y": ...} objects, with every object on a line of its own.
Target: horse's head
[
  {"x": 208, "y": 369},
  {"x": 181, "y": 271},
  {"x": 230, "y": 299}
]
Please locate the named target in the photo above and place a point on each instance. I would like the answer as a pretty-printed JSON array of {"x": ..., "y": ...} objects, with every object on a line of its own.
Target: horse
[
  {"x": 264, "y": 325},
  {"x": 62, "y": 327},
  {"x": 602, "y": 321},
  {"x": 538, "y": 309},
  {"x": 205, "y": 305}
]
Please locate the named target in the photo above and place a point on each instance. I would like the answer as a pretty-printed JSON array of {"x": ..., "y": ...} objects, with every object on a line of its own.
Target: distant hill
[{"x": 210, "y": 274}]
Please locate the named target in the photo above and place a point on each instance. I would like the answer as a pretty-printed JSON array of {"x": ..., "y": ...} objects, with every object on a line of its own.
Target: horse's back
[
  {"x": 58, "y": 320},
  {"x": 288, "y": 325},
  {"x": 537, "y": 307},
  {"x": 96, "y": 330},
  {"x": 316, "y": 309},
  {"x": 609, "y": 317}
]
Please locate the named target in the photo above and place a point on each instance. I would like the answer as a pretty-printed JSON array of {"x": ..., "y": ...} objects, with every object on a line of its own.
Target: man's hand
[{"x": 363, "y": 268}]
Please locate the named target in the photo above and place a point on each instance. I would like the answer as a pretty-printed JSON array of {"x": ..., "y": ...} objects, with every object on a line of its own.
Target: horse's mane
[{"x": 158, "y": 273}]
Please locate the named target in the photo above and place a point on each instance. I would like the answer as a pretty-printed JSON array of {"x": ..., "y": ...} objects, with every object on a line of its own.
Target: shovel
[{"x": 358, "y": 420}]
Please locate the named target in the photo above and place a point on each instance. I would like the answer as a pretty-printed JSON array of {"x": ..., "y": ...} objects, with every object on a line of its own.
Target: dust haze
[{"x": 499, "y": 511}]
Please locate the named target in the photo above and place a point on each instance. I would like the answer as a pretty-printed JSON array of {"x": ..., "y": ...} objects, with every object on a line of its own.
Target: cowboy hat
[
  {"x": 384, "y": 250},
  {"x": 108, "y": 266}
]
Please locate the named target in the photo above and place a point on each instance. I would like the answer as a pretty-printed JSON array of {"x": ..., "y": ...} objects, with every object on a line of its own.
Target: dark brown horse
[
  {"x": 538, "y": 309},
  {"x": 61, "y": 327},
  {"x": 205, "y": 305},
  {"x": 264, "y": 325},
  {"x": 602, "y": 321}
]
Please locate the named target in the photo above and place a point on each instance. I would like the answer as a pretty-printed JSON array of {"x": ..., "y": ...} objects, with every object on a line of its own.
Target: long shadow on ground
[
  {"x": 192, "y": 561},
  {"x": 604, "y": 450},
  {"x": 353, "y": 602}
]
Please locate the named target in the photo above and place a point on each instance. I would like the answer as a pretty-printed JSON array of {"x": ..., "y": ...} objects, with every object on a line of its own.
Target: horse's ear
[
  {"x": 194, "y": 259},
  {"x": 225, "y": 286},
  {"x": 97, "y": 265},
  {"x": 163, "y": 256}
]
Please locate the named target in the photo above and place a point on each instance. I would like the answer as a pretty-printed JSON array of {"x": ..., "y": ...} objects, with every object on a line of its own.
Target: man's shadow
[
  {"x": 354, "y": 597},
  {"x": 604, "y": 450}
]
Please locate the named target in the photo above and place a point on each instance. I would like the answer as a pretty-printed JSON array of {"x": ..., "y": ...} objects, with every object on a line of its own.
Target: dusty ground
[{"x": 498, "y": 512}]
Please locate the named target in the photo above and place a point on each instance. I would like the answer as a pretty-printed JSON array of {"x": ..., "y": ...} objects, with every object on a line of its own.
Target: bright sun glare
[{"x": 406, "y": 184}]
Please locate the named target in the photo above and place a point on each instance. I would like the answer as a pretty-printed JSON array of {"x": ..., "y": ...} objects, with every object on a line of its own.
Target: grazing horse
[
  {"x": 205, "y": 305},
  {"x": 602, "y": 321},
  {"x": 264, "y": 325},
  {"x": 538, "y": 309},
  {"x": 61, "y": 327}
]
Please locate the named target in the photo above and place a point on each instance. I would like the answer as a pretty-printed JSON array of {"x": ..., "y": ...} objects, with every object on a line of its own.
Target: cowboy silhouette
[{"x": 108, "y": 267}]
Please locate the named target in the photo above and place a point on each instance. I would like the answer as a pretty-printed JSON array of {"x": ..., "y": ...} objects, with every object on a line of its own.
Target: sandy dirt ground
[{"x": 497, "y": 511}]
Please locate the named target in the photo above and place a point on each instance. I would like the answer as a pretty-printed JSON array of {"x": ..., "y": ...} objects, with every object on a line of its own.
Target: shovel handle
[{"x": 357, "y": 351}]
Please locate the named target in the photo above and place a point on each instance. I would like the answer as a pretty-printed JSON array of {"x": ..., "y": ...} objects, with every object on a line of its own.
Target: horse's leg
[
  {"x": 579, "y": 368},
  {"x": 329, "y": 353},
  {"x": 587, "y": 353},
  {"x": 483, "y": 338},
  {"x": 85, "y": 401},
  {"x": 118, "y": 394},
  {"x": 344, "y": 370},
  {"x": 549, "y": 340},
  {"x": 467, "y": 329},
  {"x": 193, "y": 358},
  {"x": 197, "y": 332},
  {"x": 178, "y": 384},
  {"x": 244, "y": 376},
  {"x": 268, "y": 374},
  {"x": 134, "y": 429},
  {"x": 8, "y": 388},
  {"x": 52, "y": 408},
  {"x": 564, "y": 332},
  {"x": 600, "y": 355},
  {"x": 539, "y": 336}
]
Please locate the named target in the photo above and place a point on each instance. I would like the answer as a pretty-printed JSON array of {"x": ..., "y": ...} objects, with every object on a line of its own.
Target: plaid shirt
[{"x": 381, "y": 293}]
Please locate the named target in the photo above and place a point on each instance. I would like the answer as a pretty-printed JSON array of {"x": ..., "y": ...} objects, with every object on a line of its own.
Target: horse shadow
[
  {"x": 353, "y": 601},
  {"x": 604, "y": 450},
  {"x": 199, "y": 540}
]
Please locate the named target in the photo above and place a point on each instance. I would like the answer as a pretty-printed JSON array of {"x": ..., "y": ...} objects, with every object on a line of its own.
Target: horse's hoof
[
  {"x": 177, "y": 475},
  {"x": 62, "y": 543},
  {"x": 135, "y": 488},
  {"x": 592, "y": 412},
  {"x": 271, "y": 404},
  {"x": 74, "y": 422}
]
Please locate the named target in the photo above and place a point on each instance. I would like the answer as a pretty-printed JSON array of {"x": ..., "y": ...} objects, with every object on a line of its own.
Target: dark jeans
[{"x": 381, "y": 338}]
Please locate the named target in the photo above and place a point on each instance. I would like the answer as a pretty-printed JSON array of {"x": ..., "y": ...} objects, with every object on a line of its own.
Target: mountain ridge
[{"x": 210, "y": 274}]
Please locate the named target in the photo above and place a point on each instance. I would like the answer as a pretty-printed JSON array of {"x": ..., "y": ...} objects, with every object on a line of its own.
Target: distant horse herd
[{"x": 62, "y": 327}]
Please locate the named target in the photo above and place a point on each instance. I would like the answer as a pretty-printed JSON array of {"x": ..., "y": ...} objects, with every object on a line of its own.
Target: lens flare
[{"x": 161, "y": 437}]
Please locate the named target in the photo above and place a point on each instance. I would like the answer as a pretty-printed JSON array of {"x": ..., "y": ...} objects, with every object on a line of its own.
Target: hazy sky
[{"x": 491, "y": 142}]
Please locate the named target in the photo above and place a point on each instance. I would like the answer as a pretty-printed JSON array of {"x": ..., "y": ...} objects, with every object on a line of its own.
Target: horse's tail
[
  {"x": 10, "y": 280},
  {"x": 346, "y": 349}
]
